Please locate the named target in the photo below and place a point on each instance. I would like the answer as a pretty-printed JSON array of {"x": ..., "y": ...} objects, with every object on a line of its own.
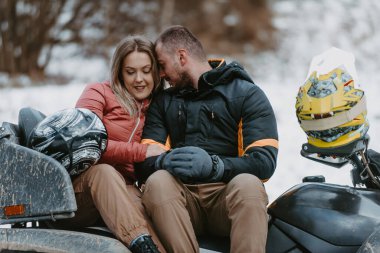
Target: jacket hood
[
  {"x": 220, "y": 74},
  {"x": 223, "y": 73}
]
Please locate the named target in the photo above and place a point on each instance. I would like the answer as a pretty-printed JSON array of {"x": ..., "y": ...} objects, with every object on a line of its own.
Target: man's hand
[{"x": 192, "y": 164}]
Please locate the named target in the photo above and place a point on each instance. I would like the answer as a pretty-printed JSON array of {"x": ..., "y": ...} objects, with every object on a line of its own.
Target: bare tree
[
  {"x": 223, "y": 26},
  {"x": 29, "y": 27}
]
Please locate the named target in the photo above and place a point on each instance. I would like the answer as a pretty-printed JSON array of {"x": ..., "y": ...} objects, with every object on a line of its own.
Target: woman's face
[{"x": 137, "y": 75}]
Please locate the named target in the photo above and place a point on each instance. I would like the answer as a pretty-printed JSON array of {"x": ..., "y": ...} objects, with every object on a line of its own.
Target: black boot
[{"x": 143, "y": 244}]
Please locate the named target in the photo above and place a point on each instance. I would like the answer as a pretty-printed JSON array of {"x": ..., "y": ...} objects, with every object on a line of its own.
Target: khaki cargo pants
[
  {"x": 102, "y": 193},
  {"x": 181, "y": 211}
]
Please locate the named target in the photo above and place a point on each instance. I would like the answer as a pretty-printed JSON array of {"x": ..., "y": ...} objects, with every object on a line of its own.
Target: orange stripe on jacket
[
  {"x": 240, "y": 139},
  {"x": 220, "y": 60},
  {"x": 150, "y": 141},
  {"x": 259, "y": 143},
  {"x": 262, "y": 143}
]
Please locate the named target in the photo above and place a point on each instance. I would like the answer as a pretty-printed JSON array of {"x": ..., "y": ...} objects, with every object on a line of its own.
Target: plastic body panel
[
  {"x": 54, "y": 241},
  {"x": 34, "y": 180},
  {"x": 311, "y": 215}
]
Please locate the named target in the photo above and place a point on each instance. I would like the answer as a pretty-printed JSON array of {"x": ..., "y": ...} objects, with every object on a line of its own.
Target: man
[{"x": 222, "y": 133}]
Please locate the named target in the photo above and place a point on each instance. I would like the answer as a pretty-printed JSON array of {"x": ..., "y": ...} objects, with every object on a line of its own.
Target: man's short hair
[{"x": 176, "y": 37}]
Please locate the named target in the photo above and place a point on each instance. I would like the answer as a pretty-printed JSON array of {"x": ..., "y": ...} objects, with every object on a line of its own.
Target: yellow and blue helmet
[{"x": 330, "y": 110}]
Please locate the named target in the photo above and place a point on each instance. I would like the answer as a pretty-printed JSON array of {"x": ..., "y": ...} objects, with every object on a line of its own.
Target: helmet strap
[{"x": 335, "y": 120}]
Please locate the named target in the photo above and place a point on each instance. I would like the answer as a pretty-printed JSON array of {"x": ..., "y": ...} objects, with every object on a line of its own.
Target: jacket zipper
[
  {"x": 137, "y": 124},
  {"x": 181, "y": 123},
  {"x": 212, "y": 121}
]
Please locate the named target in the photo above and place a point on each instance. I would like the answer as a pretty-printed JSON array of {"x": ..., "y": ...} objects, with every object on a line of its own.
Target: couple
[{"x": 208, "y": 143}]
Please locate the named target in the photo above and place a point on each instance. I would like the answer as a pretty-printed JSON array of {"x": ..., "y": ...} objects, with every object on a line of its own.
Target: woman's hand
[{"x": 154, "y": 150}]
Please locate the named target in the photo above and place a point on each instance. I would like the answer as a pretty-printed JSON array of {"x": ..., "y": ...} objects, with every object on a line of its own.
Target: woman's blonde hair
[{"x": 123, "y": 49}]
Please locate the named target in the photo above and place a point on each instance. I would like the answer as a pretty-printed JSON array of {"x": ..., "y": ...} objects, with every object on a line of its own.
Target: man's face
[{"x": 170, "y": 68}]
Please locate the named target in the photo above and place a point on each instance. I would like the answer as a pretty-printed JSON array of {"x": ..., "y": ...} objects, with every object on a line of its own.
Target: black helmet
[{"x": 74, "y": 137}]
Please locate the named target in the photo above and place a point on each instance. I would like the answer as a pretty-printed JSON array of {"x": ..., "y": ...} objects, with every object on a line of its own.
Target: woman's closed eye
[{"x": 147, "y": 70}]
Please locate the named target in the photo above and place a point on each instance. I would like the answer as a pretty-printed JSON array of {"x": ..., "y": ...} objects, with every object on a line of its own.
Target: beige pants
[
  {"x": 101, "y": 193},
  {"x": 180, "y": 212}
]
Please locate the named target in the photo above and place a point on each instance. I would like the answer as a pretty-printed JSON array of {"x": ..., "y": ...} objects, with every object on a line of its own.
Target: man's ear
[{"x": 183, "y": 56}]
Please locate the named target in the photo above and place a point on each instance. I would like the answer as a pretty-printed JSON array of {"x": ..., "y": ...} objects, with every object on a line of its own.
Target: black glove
[
  {"x": 192, "y": 164},
  {"x": 146, "y": 168}
]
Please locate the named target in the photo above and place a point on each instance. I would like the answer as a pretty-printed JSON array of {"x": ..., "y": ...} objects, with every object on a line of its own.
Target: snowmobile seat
[
  {"x": 28, "y": 118},
  {"x": 214, "y": 243}
]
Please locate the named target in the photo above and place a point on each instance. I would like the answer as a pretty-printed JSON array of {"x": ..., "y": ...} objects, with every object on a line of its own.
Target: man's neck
[{"x": 198, "y": 70}]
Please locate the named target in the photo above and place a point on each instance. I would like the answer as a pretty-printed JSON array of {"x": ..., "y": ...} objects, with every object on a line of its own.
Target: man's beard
[{"x": 184, "y": 80}]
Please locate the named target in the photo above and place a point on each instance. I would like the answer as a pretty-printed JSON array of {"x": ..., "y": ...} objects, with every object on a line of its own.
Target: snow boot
[{"x": 143, "y": 244}]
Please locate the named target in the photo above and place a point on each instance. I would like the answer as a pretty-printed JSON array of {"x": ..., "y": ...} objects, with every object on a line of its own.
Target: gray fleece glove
[{"x": 192, "y": 164}]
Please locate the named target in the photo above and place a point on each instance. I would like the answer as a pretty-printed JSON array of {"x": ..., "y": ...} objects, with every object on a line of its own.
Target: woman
[{"x": 108, "y": 190}]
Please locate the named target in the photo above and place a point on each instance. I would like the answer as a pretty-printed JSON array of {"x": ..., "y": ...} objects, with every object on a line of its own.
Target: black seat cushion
[{"x": 28, "y": 118}]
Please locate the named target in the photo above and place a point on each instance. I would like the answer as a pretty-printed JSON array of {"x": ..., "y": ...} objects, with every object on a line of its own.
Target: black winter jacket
[{"x": 228, "y": 116}]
